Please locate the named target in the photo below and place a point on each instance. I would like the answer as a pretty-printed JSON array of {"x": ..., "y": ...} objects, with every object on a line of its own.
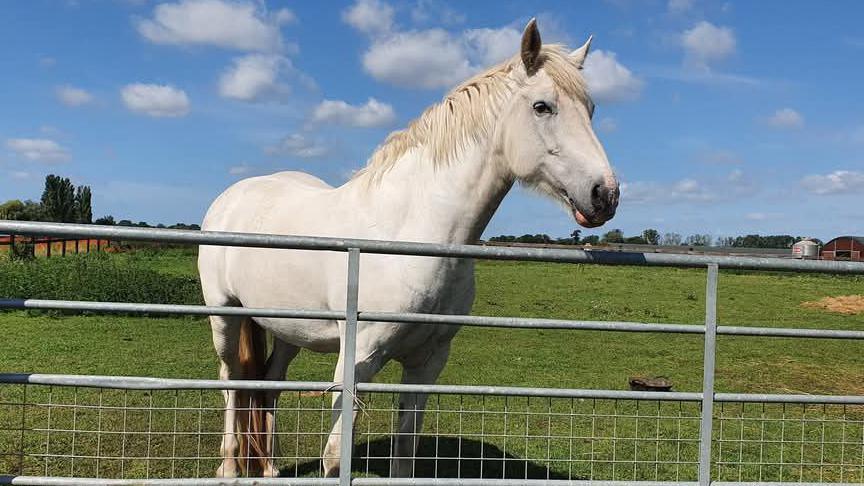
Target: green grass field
[{"x": 565, "y": 438}]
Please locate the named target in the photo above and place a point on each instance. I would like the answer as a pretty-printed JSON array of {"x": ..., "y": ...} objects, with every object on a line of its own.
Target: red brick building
[{"x": 844, "y": 248}]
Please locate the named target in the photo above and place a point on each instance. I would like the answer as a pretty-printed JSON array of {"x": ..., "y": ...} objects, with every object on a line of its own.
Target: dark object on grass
[{"x": 655, "y": 383}]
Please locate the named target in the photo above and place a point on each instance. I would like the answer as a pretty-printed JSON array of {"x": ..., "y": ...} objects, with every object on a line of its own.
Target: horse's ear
[
  {"x": 531, "y": 47},
  {"x": 580, "y": 54}
]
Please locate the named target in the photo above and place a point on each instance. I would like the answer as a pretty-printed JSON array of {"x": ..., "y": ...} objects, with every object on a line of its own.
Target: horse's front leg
[
  {"x": 412, "y": 407},
  {"x": 366, "y": 366}
]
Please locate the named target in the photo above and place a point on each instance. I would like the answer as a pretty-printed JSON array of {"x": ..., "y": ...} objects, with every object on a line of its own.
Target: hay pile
[{"x": 844, "y": 304}]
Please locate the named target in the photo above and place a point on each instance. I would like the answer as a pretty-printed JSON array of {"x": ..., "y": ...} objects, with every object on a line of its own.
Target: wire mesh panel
[
  {"x": 504, "y": 437},
  {"x": 68, "y": 431},
  {"x": 789, "y": 442},
  {"x": 110, "y": 433}
]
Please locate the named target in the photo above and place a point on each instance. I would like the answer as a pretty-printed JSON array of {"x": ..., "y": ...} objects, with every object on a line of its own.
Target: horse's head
[{"x": 547, "y": 139}]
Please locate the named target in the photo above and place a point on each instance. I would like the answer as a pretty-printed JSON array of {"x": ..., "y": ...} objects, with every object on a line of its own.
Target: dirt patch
[{"x": 844, "y": 304}]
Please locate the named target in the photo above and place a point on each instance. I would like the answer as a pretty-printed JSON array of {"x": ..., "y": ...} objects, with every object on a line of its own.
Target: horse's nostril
[{"x": 599, "y": 196}]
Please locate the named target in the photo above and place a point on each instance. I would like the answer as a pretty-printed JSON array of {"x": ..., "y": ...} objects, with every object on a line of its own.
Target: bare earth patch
[{"x": 844, "y": 304}]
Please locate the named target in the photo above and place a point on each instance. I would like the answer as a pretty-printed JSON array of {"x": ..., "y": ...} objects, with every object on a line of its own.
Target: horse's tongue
[{"x": 583, "y": 221}]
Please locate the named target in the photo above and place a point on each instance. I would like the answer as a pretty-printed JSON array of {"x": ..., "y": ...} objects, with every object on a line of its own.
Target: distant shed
[{"x": 844, "y": 248}]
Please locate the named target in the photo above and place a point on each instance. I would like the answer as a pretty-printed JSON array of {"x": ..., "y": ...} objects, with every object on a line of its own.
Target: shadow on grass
[{"x": 456, "y": 458}]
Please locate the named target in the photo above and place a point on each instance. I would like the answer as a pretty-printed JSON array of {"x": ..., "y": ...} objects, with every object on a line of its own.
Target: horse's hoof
[
  {"x": 226, "y": 472},
  {"x": 270, "y": 471}
]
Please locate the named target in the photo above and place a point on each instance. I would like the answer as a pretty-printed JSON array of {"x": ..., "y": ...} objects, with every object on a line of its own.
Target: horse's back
[
  {"x": 250, "y": 206},
  {"x": 240, "y": 206}
]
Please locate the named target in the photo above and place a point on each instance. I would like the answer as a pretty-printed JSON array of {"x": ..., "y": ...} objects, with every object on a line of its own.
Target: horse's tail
[{"x": 250, "y": 416}]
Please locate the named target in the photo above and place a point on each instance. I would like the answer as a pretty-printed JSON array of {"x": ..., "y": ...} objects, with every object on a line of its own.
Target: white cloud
[
  {"x": 38, "y": 149},
  {"x": 19, "y": 175},
  {"x": 241, "y": 169},
  {"x": 424, "y": 59},
  {"x": 679, "y": 6},
  {"x": 254, "y": 77},
  {"x": 371, "y": 17},
  {"x": 491, "y": 46},
  {"x": 786, "y": 118},
  {"x": 298, "y": 145},
  {"x": 837, "y": 182},
  {"x": 736, "y": 175},
  {"x": 758, "y": 216},
  {"x": 228, "y": 24},
  {"x": 719, "y": 157},
  {"x": 684, "y": 190},
  {"x": 608, "y": 80},
  {"x": 435, "y": 11},
  {"x": 706, "y": 43},
  {"x": 373, "y": 114},
  {"x": 155, "y": 100},
  {"x": 47, "y": 61},
  {"x": 431, "y": 58},
  {"x": 607, "y": 125},
  {"x": 71, "y": 96}
]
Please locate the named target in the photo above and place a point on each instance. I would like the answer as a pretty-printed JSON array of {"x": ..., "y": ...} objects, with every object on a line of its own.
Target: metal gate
[{"x": 682, "y": 429}]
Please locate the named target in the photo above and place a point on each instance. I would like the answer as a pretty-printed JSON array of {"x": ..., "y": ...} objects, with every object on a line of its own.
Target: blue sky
[{"x": 720, "y": 117}]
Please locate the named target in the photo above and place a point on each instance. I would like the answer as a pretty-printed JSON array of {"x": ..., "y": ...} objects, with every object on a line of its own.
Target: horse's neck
[{"x": 450, "y": 203}]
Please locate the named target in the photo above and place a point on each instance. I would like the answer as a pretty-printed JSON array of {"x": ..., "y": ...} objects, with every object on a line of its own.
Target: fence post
[
  {"x": 48, "y": 247},
  {"x": 63, "y": 249},
  {"x": 349, "y": 387},
  {"x": 705, "y": 431}
]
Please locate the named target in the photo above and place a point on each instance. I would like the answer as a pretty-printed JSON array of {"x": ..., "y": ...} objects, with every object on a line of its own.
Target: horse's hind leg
[
  {"x": 226, "y": 340},
  {"x": 412, "y": 406},
  {"x": 281, "y": 356}
]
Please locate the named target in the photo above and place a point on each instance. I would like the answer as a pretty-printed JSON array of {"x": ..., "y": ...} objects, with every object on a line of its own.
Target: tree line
[
  {"x": 62, "y": 202},
  {"x": 651, "y": 236}
]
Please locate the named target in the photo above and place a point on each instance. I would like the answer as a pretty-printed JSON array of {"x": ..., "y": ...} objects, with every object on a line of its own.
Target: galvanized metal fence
[{"x": 155, "y": 430}]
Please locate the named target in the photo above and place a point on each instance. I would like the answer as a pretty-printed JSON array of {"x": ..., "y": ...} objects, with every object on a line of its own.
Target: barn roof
[{"x": 859, "y": 239}]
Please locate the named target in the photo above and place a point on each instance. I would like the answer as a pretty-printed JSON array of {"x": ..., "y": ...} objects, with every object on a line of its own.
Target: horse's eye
[{"x": 541, "y": 108}]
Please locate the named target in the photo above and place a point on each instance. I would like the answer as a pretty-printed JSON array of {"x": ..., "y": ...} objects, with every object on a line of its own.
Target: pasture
[{"x": 554, "y": 435}]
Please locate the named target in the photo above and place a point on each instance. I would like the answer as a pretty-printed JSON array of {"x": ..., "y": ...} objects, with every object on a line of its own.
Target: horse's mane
[{"x": 468, "y": 112}]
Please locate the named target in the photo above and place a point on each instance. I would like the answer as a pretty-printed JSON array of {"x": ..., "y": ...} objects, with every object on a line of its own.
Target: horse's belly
[{"x": 316, "y": 335}]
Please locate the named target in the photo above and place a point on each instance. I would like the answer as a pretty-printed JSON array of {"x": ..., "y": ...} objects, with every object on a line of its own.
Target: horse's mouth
[{"x": 578, "y": 215}]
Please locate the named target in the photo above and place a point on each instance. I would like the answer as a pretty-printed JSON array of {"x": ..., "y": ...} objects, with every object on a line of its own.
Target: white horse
[{"x": 440, "y": 180}]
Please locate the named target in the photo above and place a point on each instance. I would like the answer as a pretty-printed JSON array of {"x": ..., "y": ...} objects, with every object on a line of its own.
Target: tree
[
  {"x": 83, "y": 209},
  {"x": 58, "y": 199},
  {"x": 651, "y": 236},
  {"x": 591, "y": 240},
  {"x": 106, "y": 221},
  {"x": 575, "y": 235},
  {"x": 614, "y": 236},
  {"x": 698, "y": 240},
  {"x": 635, "y": 240},
  {"x": 21, "y": 211},
  {"x": 671, "y": 239},
  {"x": 11, "y": 209}
]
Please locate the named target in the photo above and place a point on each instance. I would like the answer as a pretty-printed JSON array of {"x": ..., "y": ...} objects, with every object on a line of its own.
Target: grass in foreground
[{"x": 180, "y": 347}]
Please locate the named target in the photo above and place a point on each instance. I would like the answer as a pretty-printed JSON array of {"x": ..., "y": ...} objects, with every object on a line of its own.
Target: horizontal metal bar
[
  {"x": 529, "y": 323},
  {"x": 57, "y": 481},
  {"x": 149, "y": 383},
  {"x": 483, "y": 321},
  {"x": 789, "y": 398},
  {"x": 143, "y": 308},
  {"x": 507, "y": 482},
  {"x": 777, "y": 483},
  {"x": 218, "y": 238},
  {"x": 789, "y": 332},
  {"x": 527, "y": 392}
]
